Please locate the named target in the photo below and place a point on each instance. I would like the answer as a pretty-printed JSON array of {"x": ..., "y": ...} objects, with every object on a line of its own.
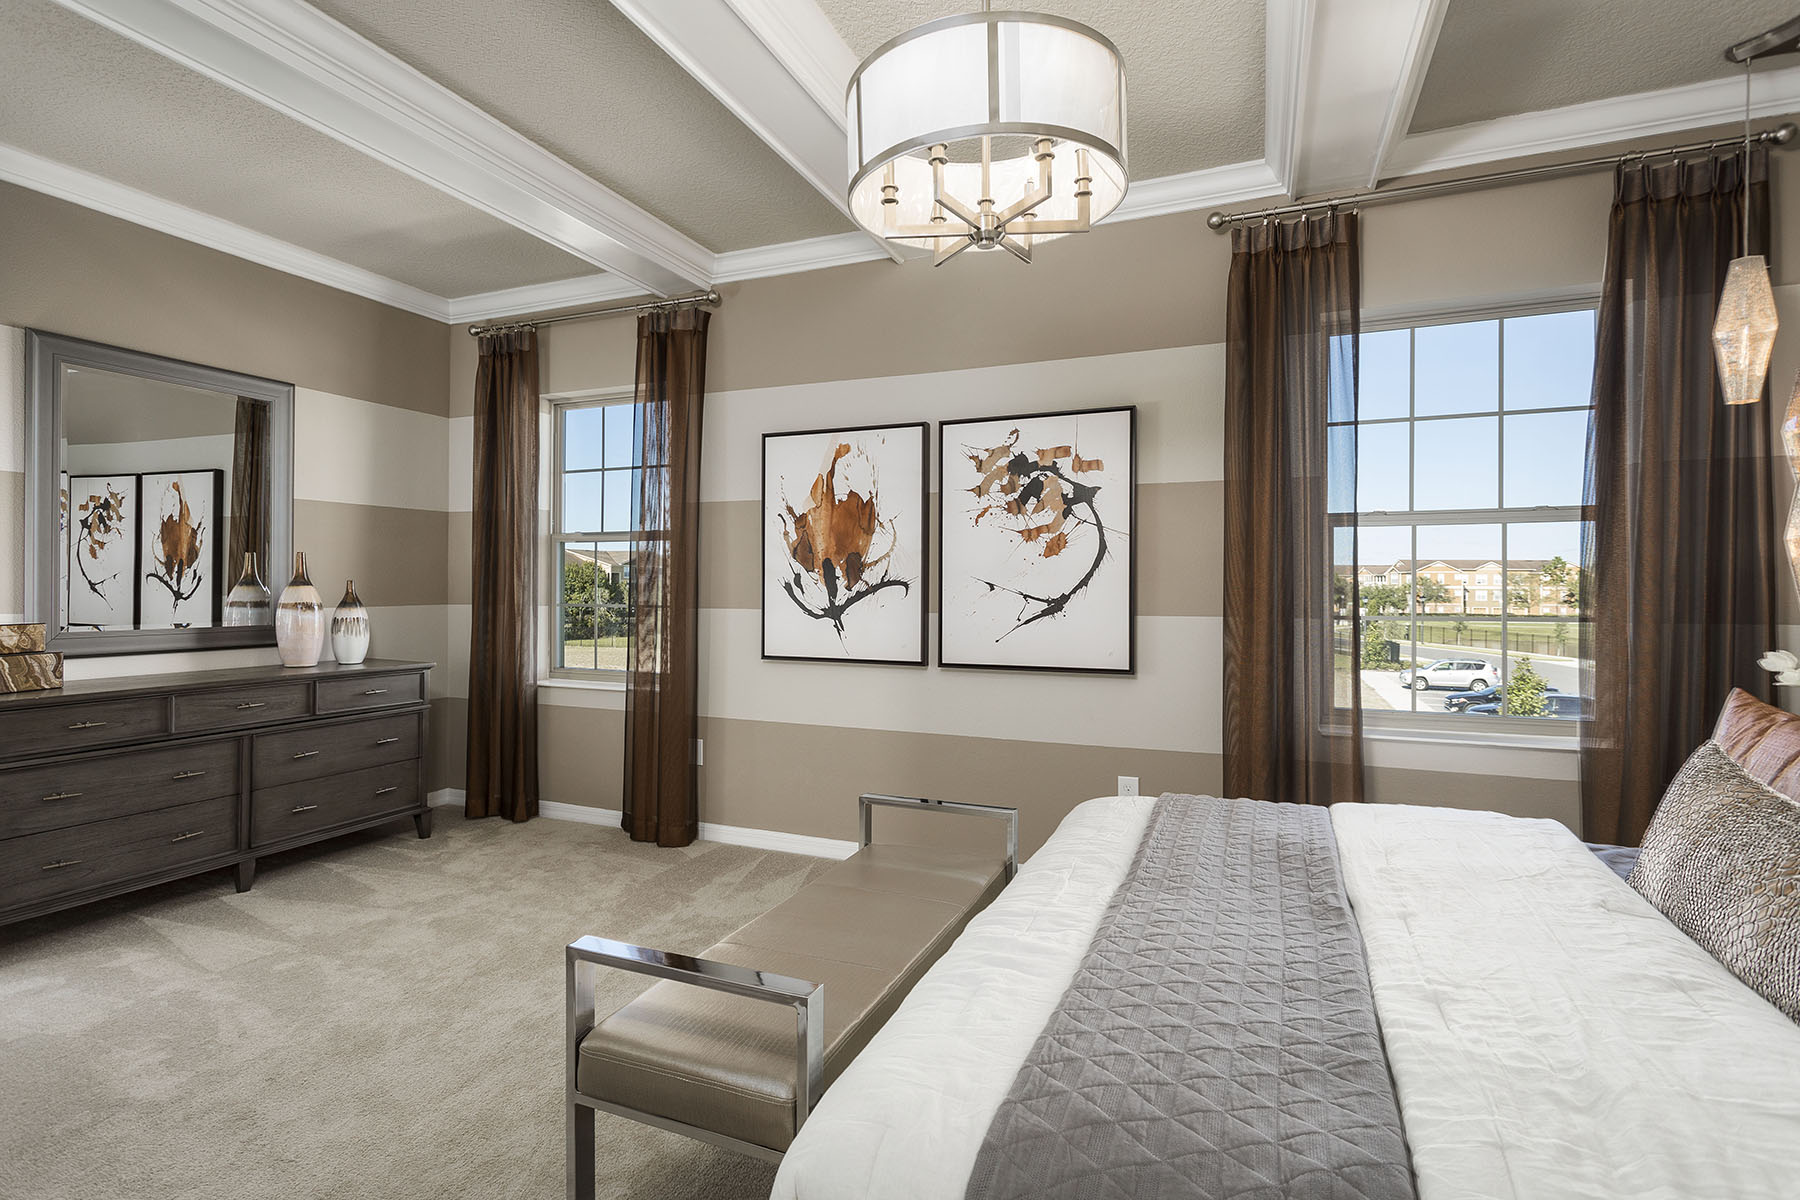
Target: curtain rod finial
[
  {"x": 1784, "y": 133},
  {"x": 1217, "y": 220}
]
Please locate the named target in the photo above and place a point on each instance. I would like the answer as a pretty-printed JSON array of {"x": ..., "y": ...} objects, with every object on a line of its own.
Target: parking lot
[{"x": 1383, "y": 690}]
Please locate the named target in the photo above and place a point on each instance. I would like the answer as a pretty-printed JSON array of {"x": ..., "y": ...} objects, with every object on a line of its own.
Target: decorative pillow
[
  {"x": 1721, "y": 860},
  {"x": 1763, "y": 739}
]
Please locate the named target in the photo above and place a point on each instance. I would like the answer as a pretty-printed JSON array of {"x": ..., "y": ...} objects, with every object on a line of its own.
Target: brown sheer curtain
[
  {"x": 1679, "y": 556},
  {"x": 250, "y": 491},
  {"x": 662, "y": 802},
  {"x": 1293, "y": 716},
  {"x": 503, "y": 752}
]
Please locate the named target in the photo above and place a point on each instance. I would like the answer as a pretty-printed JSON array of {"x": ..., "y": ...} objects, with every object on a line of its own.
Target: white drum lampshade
[{"x": 987, "y": 130}]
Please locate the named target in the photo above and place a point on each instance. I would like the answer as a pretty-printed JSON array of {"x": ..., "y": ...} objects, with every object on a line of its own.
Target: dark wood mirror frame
[{"x": 46, "y": 354}]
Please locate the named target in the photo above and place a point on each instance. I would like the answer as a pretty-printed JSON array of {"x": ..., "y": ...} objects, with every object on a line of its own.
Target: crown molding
[
  {"x": 740, "y": 53},
  {"x": 1597, "y": 123},
  {"x": 803, "y": 39},
  {"x": 541, "y": 297},
  {"x": 1421, "y": 44},
  {"x": 140, "y": 208},
  {"x": 1287, "y": 47},
  {"x": 1197, "y": 189},
  {"x": 293, "y": 58},
  {"x": 791, "y": 258}
]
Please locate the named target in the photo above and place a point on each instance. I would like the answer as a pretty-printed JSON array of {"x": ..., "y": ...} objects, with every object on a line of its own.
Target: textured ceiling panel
[
  {"x": 580, "y": 80},
  {"x": 78, "y": 94},
  {"x": 1194, "y": 72},
  {"x": 1497, "y": 59}
]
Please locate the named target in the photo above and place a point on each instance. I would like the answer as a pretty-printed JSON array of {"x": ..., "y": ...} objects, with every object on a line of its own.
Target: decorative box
[
  {"x": 35, "y": 672},
  {"x": 21, "y": 639}
]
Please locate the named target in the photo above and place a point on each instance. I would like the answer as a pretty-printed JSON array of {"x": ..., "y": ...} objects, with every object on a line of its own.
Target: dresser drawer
[
  {"x": 33, "y": 799},
  {"x": 319, "y": 750},
  {"x": 297, "y": 808},
  {"x": 197, "y": 712},
  {"x": 373, "y": 691},
  {"x": 60, "y": 728},
  {"x": 103, "y": 852}
]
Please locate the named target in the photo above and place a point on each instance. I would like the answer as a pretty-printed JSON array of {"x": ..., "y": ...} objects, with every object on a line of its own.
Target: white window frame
[
  {"x": 558, "y": 537},
  {"x": 1456, "y": 727}
]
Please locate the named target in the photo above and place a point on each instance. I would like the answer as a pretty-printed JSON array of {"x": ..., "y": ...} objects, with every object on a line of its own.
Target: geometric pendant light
[{"x": 1744, "y": 331}]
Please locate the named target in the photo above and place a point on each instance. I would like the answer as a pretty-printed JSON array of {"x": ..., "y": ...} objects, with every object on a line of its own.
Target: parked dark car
[
  {"x": 1459, "y": 701},
  {"x": 1559, "y": 705}
]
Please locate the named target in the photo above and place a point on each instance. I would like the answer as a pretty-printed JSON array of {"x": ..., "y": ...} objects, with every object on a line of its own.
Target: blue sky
[
  {"x": 600, "y": 436},
  {"x": 1457, "y": 375}
]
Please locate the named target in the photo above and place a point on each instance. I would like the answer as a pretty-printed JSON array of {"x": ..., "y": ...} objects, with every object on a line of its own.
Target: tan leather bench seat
[{"x": 867, "y": 929}]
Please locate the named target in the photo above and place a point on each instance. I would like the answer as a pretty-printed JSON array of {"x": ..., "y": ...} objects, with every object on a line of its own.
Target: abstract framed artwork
[
  {"x": 1038, "y": 542},
  {"x": 102, "y": 551},
  {"x": 180, "y": 557},
  {"x": 844, "y": 544}
]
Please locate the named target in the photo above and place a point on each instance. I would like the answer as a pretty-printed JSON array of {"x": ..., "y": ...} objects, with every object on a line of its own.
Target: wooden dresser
[{"x": 110, "y": 785}]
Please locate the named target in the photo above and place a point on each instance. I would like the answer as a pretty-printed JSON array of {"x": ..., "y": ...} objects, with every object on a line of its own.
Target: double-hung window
[
  {"x": 594, "y": 518},
  {"x": 1471, "y": 444}
]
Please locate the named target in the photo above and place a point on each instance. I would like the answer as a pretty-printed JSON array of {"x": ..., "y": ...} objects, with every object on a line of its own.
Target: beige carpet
[{"x": 380, "y": 1017}]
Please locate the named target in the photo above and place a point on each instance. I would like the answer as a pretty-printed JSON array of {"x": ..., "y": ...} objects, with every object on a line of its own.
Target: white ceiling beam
[
  {"x": 40, "y": 174},
  {"x": 1599, "y": 123},
  {"x": 1364, "y": 61},
  {"x": 778, "y": 65},
  {"x": 293, "y": 58},
  {"x": 1287, "y": 35}
]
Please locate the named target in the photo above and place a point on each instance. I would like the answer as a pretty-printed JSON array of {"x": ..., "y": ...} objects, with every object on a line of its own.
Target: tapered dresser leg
[
  {"x": 246, "y": 874},
  {"x": 580, "y": 1165},
  {"x": 422, "y": 823}
]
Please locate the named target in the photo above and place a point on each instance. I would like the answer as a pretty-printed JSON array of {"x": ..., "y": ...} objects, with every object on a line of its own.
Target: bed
[{"x": 1548, "y": 1034}]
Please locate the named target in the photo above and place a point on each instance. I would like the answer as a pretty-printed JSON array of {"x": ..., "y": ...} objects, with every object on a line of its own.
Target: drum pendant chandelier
[{"x": 987, "y": 131}]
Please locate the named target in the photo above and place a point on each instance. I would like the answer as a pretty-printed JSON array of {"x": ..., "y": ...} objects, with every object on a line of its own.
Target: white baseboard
[{"x": 730, "y": 835}]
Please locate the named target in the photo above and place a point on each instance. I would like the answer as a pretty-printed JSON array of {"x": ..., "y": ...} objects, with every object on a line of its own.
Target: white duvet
[{"x": 1551, "y": 1034}]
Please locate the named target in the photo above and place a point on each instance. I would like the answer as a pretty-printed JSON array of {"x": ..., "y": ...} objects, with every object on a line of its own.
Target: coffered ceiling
[{"x": 467, "y": 159}]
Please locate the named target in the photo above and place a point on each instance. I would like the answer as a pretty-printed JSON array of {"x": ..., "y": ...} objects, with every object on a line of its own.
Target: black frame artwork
[
  {"x": 915, "y": 591},
  {"x": 1049, "y": 608}
]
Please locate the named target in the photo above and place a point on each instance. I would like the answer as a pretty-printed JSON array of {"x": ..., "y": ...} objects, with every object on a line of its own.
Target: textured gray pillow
[{"x": 1721, "y": 860}]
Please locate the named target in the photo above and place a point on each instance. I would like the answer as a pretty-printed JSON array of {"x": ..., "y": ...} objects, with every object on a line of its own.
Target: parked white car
[{"x": 1464, "y": 674}]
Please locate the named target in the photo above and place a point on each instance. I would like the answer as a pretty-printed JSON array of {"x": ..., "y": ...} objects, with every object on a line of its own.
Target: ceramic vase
[
  {"x": 300, "y": 620},
  {"x": 248, "y": 601},
  {"x": 350, "y": 628}
]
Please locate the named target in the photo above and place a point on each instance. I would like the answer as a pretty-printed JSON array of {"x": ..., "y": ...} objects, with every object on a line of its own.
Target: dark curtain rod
[
  {"x": 1781, "y": 135},
  {"x": 709, "y": 298}
]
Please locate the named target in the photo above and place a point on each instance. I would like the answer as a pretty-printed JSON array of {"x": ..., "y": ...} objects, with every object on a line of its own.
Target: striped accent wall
[{"x": 371, "y": 425}]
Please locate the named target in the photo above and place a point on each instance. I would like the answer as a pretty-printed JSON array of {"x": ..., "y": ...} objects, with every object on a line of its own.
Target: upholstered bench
[{"x": 735, "y": 1047}]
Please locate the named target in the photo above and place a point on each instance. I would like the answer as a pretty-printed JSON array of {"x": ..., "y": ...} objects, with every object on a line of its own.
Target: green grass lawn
[{"x": 607, "y": 653}]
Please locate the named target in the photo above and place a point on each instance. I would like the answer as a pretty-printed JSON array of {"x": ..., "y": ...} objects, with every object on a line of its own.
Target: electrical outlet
[
  {"x": 1128, "y": 785},
  {"x": 699, "y": 752}
]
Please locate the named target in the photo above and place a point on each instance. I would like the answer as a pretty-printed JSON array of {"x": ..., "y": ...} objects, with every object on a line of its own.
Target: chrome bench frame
[{"x": 585, "y": 956}]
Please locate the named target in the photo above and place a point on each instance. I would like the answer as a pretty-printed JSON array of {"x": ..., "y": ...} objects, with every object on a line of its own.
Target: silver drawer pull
[
  {"x": 386, "y": 741},
  {"x": 62, "y": 795},
  {"x": 88, "y": 725},
  {"x": 250, "y": 704},
  {"x": 305, "y": 754},
  {"x": 384, "y": 791},
  {"x": 182, "y": 837},
  {"x": 188, "y": 774},
  {"x": 303, "y": 808},
  {"x": 60, "y": 863},
  {"x": 376, "y": 692}
]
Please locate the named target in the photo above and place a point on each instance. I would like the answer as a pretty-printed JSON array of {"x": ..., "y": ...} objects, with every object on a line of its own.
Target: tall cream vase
[{"x": 300, "y": 620}]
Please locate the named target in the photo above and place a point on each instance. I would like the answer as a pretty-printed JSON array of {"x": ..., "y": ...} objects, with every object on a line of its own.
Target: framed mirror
[{"x": 158, "y": 500}]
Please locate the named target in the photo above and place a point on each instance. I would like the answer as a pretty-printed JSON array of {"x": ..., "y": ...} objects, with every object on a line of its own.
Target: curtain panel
[
  {"x": 662, "y": 800},
  {"x": 1292, "y": 708},
  {"x": 503, "y": 746},
  {"x": 1680, "y": 556},
  {"x": 250, "y": 471}
]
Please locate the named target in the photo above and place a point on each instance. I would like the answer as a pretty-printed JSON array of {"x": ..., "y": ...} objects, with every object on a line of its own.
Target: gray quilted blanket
[{"x": 1219, "y": 1041}]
